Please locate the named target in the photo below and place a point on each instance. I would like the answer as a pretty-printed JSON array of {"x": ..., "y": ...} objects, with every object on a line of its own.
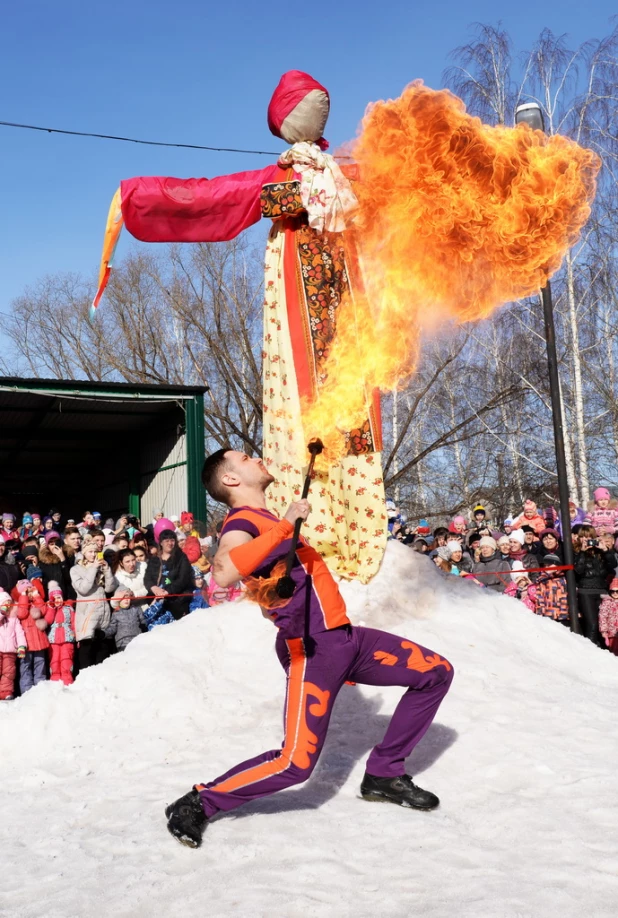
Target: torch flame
[{"x": 455, "y": 218}]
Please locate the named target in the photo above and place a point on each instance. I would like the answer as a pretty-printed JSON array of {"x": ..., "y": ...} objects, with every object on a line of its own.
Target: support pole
[{"x": 563, "y": 486}]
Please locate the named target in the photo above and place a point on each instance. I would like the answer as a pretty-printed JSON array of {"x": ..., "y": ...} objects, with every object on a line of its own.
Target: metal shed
[{"x": 110, "y": 447}]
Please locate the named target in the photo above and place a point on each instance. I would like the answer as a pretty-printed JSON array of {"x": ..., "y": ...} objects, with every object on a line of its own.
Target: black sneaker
[
  {"x": 186, "y": 819},
  {"x": 401, "y": 790}
]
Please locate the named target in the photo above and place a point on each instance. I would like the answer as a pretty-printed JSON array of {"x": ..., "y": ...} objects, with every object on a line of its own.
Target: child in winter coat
[
  {"x": 12, "y": 646},
  {"x": 127, "y": 620},
  {"x": 30, "y": 612},
  {"x": 608, "y": 617},
  {"x": 199, "y": 600},
  {"x": 60, "y": 615},
  {"x": 602, "y": 515},
  {"x": 521, "y": 587},
  {"x": 551, "y": 591},
  {"x": 530, "y": 517}
]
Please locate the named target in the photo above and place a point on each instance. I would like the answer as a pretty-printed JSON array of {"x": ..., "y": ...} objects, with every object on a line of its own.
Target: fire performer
[{"x": 319, "y": 649}]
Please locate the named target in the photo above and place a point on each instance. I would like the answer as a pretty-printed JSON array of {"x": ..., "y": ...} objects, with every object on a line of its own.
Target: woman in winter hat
[
  {"x": 12, "y": 646},
  {"x": 489, "y": 567},
  {"x": 521, "y": 587},
  {"x": 603, "y": 514},
  {"x": 30, "y": 612},
  {"x": 594, "y": 568},
  {"x": 608, "y": 617},
  {"x": 92, "y": 579},
  {"x": 60, "y": 615}
]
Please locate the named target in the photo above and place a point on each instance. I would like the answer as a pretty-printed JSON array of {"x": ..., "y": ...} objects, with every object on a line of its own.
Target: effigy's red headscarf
[{"x": 299, "y": 109}]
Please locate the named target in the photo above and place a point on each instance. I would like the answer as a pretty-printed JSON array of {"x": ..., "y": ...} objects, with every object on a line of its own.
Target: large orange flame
[{"x": 455, "y": 218}]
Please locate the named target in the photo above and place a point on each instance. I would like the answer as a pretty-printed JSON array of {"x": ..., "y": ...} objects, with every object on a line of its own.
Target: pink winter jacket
[
  {"x": 11, "y": 634},
  {"x": 529, "y": 600},
  {"x": 604, "y": 521}
]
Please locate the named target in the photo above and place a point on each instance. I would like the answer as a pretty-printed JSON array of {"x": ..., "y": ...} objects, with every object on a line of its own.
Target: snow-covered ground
[{"x": 523, "y": 754}]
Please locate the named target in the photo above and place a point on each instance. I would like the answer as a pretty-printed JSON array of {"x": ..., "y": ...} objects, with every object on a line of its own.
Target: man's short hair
[
  {"x": 214, "y": 467},
  {"x": 71, "y": 529}
]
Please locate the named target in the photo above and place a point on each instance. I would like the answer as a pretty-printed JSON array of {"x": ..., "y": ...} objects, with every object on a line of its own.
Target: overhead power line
[{"x": 149, "y": 143}]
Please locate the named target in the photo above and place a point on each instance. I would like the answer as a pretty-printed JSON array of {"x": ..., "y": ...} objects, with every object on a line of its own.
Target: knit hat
[
  {"x": 8, "y": 516},
  {"x": 508, "y": 521},
  {"x": 53, "y": 588},
  {"x": 518, "y": 536},
  {"x": 488, "y": 540},
  {"x": 459, "y": 520},
  {"x": 479, "y": 509},
  {"x": 443, "y": 553},
  {"x": 503, "y": 538},
  {"x": 174, "y": 518},
  {"x": 22, "y": 586},
  {"x": 529, "y": 505},
  {"x": 26, "y": 518},
  {"x": 474, "y": 537},
  {"x": 423, "y": 528},
  {"x": 298, "y": 110},
  {"x": 4, "y": 597},
  {"x": 453, "y": 545},
  {"x": 186, "y": 517},
  {"x": 51, "y": 535},
  {"x": 96, "y": 514},
  {"x": 599, "y": 494},
  {"x": 613, "y": 587},
  {"x": 518, "y": 571},
  {"x": 197, "y": 571},
  {"x": 30, "y": 551},
  {"x": 36, "y": 516},
  {"x": 550, "y": 559},
  {"x": 549, "y": 531}
]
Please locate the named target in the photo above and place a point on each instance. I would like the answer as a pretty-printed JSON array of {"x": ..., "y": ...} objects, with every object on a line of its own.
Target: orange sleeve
[{"x": 247, "y": 558}]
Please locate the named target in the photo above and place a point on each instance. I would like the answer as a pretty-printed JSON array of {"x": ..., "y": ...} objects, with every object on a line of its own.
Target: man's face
[
  {"x": 121, "y": 543},
  {"x": 56, "y": 516},
  {"x": 251, "y": 473},
  {"x": 74, "y": 541},
  {"x": 528, "y": 538},
  {"x": 99, "y": 541}
]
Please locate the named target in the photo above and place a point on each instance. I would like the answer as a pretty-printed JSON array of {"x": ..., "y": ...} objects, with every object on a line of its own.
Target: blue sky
[{"x": 198, "y": 72}]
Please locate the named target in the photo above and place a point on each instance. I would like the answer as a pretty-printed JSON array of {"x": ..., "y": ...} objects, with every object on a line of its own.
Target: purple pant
[
  {"x": 346, "y": 654},
  {"x": 32, "y": 670}
]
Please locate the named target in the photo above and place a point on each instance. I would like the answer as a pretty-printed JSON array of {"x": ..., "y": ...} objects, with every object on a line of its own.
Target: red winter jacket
[{"x": 29, "y": 613}]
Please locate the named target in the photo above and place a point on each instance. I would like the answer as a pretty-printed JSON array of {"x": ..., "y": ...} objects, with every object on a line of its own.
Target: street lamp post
[{"x": 530, "y": 113}]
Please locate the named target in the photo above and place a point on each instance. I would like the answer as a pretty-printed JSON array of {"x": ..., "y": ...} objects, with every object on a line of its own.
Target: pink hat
[
  {"x": 602, "y": 494},
  {"x": 4, "y": 597},
  {"x": 53, "y": 588},
  {"x": 22, "y": 586},
  {"x": 299, "y": 109},
  {"x": 529, "y": 505},
  {"x": 160, "y": 525},
  {"x": 51, "y": 535},
  {"x": 459, "y": 520}
]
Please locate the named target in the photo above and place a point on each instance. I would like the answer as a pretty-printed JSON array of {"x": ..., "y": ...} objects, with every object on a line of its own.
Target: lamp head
[{"x": 530, "y": 113}]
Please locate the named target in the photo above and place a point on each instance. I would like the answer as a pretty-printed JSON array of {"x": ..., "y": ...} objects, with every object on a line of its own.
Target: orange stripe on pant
[{"x": 294, "y": 719}]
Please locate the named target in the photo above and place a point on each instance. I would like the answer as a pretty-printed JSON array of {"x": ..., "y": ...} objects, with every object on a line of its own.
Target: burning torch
[{"x": 530, "y": 113}]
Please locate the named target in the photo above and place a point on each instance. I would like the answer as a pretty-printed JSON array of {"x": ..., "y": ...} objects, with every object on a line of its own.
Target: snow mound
[{"x": 523, "y": 755}]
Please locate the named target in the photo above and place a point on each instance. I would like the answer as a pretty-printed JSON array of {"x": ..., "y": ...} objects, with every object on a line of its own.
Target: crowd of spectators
[
  {"x": 523, "y": 557},
  {"x": 74, "y": 592}
]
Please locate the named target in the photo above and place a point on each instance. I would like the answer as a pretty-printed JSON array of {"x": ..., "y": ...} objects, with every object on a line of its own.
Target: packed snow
[{"x": 523, "y": 755}]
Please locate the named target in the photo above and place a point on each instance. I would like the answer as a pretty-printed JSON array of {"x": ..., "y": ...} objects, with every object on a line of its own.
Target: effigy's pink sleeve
[{"x": 159, "y": 209}]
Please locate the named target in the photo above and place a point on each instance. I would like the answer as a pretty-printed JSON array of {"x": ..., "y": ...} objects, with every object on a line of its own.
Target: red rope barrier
[{"x": 526, "y": 570}]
